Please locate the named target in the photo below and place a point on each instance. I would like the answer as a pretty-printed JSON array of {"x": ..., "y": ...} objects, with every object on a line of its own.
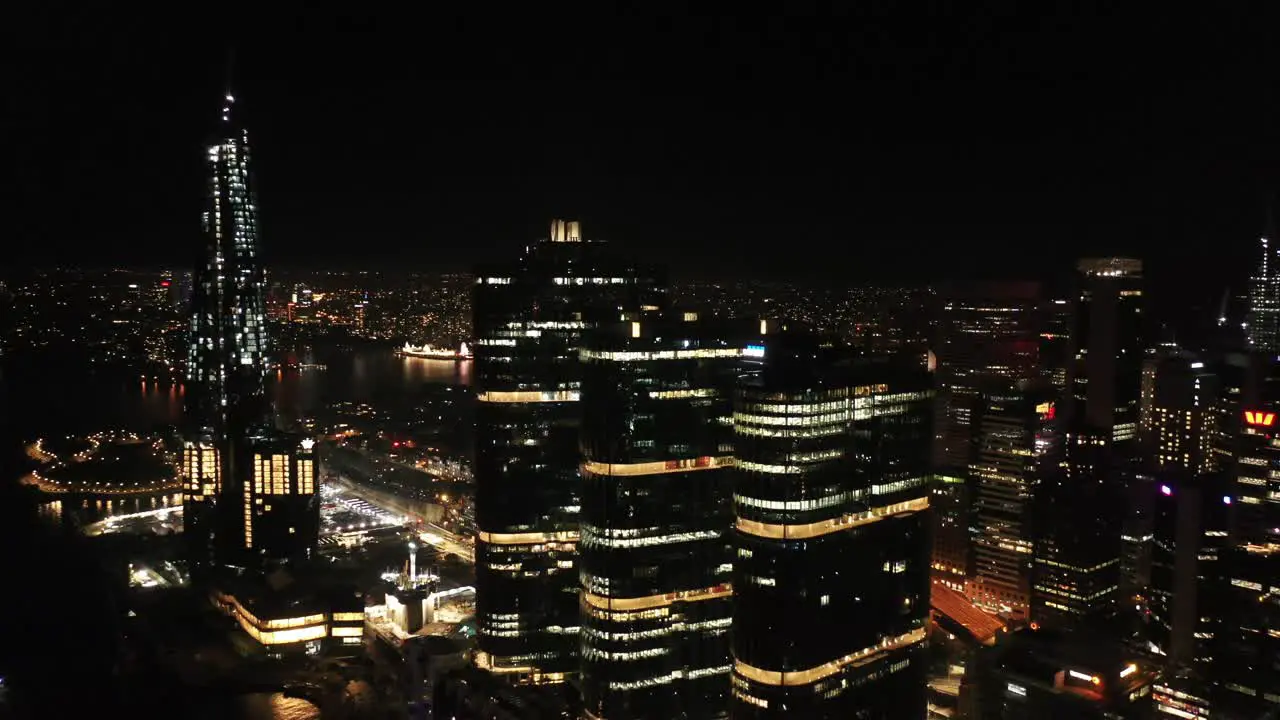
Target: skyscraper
[
  {"x": 227, "y": 360},
  {"x": 831, "y": 497},
  {"x": 249, "y": 491},
  {"x": 1189, "y": 511},
  {"x": 655, "y": 560},
  {"x": 986, "y": 332},
  {"x": 1245, "y": 662},
  {"x": 530, "y": 316},
  {"x": 1017, "y": 445},
  {"x": 1262, "y": 324},
  {"x": 1083, "y": 507},
  {"x": 987, "y": 339}
]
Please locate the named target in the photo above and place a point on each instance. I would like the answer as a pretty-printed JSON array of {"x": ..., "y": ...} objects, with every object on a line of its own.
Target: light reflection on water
[
  {"x": 287, "y": 708},
  {"x": 62, "y": 400},
  {"x": 376, "y": 376},
  {"x": 256, "y": 706},
  {"x": 424, "y": 370},
  {"x": 91, "y": 510}
]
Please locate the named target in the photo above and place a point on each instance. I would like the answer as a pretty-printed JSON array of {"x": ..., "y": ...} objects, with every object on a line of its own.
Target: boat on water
[{"x": 431, "y": 352}]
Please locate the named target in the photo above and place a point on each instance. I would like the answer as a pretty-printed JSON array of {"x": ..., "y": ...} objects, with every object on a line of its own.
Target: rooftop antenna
[
  {"x": 1269, "y": 229},
  {"x": 229, "y": 95},
  {"x": 231, "y": 65}
]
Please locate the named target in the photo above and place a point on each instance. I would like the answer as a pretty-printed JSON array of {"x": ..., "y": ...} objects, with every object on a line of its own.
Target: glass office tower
[
  {"x": 831, "y": 498},
  {"x": 1262, "y": 325},
  {"x": 530, "y": 317},
  {"x": 655, "y": 563}
]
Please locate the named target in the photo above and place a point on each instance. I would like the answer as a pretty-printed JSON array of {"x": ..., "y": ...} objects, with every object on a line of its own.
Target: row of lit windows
[
  {"x": 825, "y": 527},
  {"x": 625, "y": 685},
  {"x": 635, "y": 355},
  {"x": 272, "y": 475},
  {"x": 591, "y": 539},
  {"x": 291, "y": 630},
  {"x": 813, "y": 675}
]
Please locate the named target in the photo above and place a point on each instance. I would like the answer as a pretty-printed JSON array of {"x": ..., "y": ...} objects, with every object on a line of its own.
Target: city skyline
[{"x": 898, "y": 462}]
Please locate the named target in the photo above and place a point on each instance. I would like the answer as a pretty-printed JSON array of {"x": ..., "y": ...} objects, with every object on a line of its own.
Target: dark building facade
[
  {"x": 831, "y": 498},
  {"x": 1187, "y": 564},
  {"x": 1082, "y": 509},
  {"x": 1041, "y": 674},
  {"x": 986, "y": 332},
  {"x": 530, "y": 316},
  {"x": 654, "y": 555},
  {"x": 1190, "y": 504},
  {"x": 1250, "y": 427},
  {"x": 469, "y": 693},
  {"x": 1247, "y": 660},
  {"x": 987, "y": 339},
  {"x": 1248, "y": 655},
  {"x": 1055, "y": 341}
]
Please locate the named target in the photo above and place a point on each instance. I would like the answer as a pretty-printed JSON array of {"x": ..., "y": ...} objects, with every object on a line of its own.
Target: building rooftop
[
  {"x": 957, "y": 608},
  {"x": 1077, "y": 663},
  {"x": 285, "y": 594}
]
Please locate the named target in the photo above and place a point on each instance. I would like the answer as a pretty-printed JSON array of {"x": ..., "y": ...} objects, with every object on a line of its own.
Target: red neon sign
[{"x": 1257, "y": 417}]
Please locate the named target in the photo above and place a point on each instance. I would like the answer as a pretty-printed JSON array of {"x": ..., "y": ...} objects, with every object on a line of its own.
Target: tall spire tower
[
  {"x": 227, "y": 356},
  {"x": 226, "y": 361},
  {"x": 1262, "y": 328}
]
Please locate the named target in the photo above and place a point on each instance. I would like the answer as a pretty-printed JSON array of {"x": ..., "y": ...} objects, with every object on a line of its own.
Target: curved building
[
  {"x": 654, "y": 556},
  {"x": 831, "y": 497}
]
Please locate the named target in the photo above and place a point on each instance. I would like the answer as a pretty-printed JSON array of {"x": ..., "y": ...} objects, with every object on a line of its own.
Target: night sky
[{"x": 866, "y": 146}]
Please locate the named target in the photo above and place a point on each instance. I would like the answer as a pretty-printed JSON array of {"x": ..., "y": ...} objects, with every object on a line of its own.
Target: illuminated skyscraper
[
  {"x": 227, "y": 413},
  {"x": 1262, "y": 325},
  {"x": 1017, "y": 445},
  {"x": 831, "y": 498},
  {"x": 227, "y": 358},
  {"x": 530, "y": 316},
  {"x": 655, "y": 560}
]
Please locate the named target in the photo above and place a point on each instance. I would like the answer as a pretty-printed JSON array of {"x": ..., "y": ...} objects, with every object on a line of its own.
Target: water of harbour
[{"x": 64, "y": 399}]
